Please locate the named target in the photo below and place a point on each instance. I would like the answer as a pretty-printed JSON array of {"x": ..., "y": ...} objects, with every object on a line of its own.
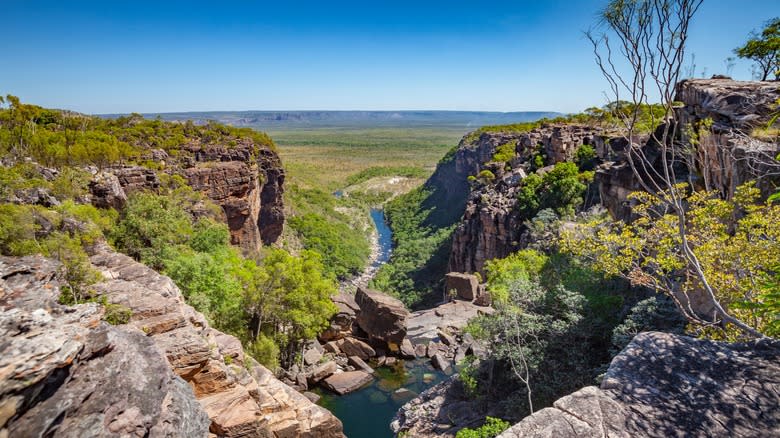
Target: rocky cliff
[
  {"x": 491, "y": 226},
  {"x": 727, "y": 153},
  {"x": 86, "y": 378},
  {"x": 664, "y": 385},
  {"x": 245, "y": 179}
]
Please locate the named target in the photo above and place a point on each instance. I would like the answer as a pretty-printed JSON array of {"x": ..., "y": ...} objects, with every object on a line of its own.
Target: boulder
[
  {"x": 664, "y": 385},
  {"x": 483, "y": 297},
  {"x": 322, "y": 372},
  {"x": 446, "y": 338},
  {"x": 312, "y": 356},
  {"x": 465, "y": 285},
  {"x": 382, "y": 317},
  {"x": 346, "y": 382},
  {"x": 440, "y": 362},
  {"x": 407, "y": 349},
  {"x": 420, "y": 350},
  {"x": 359, "y": 364},
  {"x": 107, "y": 192},
  {"x": 356, "y": 347}
]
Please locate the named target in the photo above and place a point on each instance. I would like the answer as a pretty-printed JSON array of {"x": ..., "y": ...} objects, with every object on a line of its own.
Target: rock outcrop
[
  {"x": 240, "y": 396},
  {"x": 64, "y": 372},
  {"x": 169, "y": 372},
  {"x": 726, "y": 155},
  {"x": 382, "y": 317},
  {"x": 246, "y": 180},
  {"x": 491, "y": 226},
  {"x": 664, "y": 385}
]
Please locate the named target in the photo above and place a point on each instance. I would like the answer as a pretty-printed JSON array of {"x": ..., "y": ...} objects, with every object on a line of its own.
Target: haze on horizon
[{"x": 99, "y": 57}]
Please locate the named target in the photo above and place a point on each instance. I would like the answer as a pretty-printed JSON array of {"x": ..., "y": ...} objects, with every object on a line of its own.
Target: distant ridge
[{"x": 355, "y": 119}]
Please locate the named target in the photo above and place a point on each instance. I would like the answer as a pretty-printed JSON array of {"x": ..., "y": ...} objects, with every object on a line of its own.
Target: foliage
[
  {"x": 657, "y": 313},
  {"x": 503, "y": 273},
  {"x": 421, "y": 248},
  {"x": 736, "y": 242},
  {"x": 343, "y": 255},
  {"x": 376, "y": 171},
  {"x": 540, "y": 335},
  {"x": 149, "y": 225},
  {"x": 764, "y": 50},
  {"x": 505, "y": 152},
  {"x": 560, "y": 189},
  {"x": 61, "y": 138},
  {"x": 289, "y": 300},
  {"x": 492, "y": 428},
  {"x": 486, "y": 176},
  {"x": 264, "y": 350},
  {"x": 585, "y": 157}
]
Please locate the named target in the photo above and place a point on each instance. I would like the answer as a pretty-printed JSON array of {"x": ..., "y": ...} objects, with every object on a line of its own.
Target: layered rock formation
[
  {"x": 666, "y": 385},
  {"x": 246, "y": 180},
  {"x": 240, "y": 396},
  {"x": 491, "y": 226},
  {"x": 725, "y": 155},
  {"x": 68, "y": 356},
  {"x": 66, "y": 373}
]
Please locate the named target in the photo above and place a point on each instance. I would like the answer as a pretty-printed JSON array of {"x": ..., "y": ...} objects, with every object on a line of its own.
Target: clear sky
[{"x": 156, "y": 56}]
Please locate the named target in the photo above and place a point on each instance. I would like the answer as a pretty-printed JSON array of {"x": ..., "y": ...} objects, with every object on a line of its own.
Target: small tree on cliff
[
  {"x": 641, "y": 54},
  {"x": 764, "y": 50}
]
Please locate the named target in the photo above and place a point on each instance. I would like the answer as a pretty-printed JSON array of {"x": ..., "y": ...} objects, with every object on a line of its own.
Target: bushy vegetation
[
  {"x": 61, "y": 138},
  {"x": 735, "y": 241},
  {"x": 271, "y": 304},
  {"x": 561, "y": 189},
  {"x": 344, "y": 250},
  {"x": 492, "y": 428},
  {"x": 504, "y": 152}
]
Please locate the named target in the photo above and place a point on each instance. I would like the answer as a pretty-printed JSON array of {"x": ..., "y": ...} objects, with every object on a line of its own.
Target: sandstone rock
[
  {"x": 67, "y": 373},
  {"x": 322, "y": 372},
  {"x": 433, "y": 348},
  {"x": 314, "y": 398},
  {"x": 440, "y": 362},
  {"x": 390, "y": 361},
  {"x": 355, "y": 347},
  {"x": 407, "y": 349},
  {"x": 439, "y": 411},
  {"x": 359, "y": 364},
  {"x": 420, "y": 350},
  {"x": 465, "y": 285},
  {"x": 343, "y": 383},
  {"x": 483, "y": 297},
  {"x": 667, "y": 385},
  {"x": 107, "y": 192},
  {"x": 382, "y": 317},
  {"x": 239, "y": 403},
  {"x": 446, "y": 338},
  {"x": 136, "y": 178},
  {"x": 312, "y": 356}
]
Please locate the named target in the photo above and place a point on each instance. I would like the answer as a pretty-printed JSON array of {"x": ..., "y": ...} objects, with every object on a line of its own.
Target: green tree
[
  {"x": 561, "y": 189},
  {"x": 736, "y": 243},
  {"x": 764, "y": 50},
  {"x": 150, "y": 225}
]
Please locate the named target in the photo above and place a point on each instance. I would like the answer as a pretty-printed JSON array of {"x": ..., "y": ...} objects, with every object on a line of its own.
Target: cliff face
[
  {"x": 724, "y": 158},
  {"x": 664, "y": 385},
  {"x": 245, "y": 179},
  {"x": 206, "y": 385},
  {"x": 491, "y": 226}
]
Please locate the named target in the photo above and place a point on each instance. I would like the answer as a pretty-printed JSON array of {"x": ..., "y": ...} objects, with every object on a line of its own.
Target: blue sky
[{"x": 111, "y": 56}]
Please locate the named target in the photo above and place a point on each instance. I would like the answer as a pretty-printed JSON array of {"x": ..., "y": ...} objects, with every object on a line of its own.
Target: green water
[{"x": 367, "y": 413}]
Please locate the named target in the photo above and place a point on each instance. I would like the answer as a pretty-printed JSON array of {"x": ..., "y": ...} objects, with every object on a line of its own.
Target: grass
[{"x": 327, "y": 158}]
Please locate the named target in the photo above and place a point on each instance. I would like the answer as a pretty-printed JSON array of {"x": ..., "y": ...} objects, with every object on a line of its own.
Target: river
[{"x": 367, "y": 413}]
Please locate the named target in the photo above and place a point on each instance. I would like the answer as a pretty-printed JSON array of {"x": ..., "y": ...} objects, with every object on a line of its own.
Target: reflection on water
[{"x": 369, "y": 411}]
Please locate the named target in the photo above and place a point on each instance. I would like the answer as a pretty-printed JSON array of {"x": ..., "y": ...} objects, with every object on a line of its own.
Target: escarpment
[
  {"x": 491, "y": 226},
  {"x": 164, "y": 373},
  {"x": 245, "y": 179},
  {"x": 720, "y": 118}
]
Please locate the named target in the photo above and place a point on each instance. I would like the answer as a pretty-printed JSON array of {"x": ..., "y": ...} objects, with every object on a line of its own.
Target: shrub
[
  {"x": 585, "y": 157},
  {"x": 492, "y": 428},
  {"x": 505, "y": 152}
]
